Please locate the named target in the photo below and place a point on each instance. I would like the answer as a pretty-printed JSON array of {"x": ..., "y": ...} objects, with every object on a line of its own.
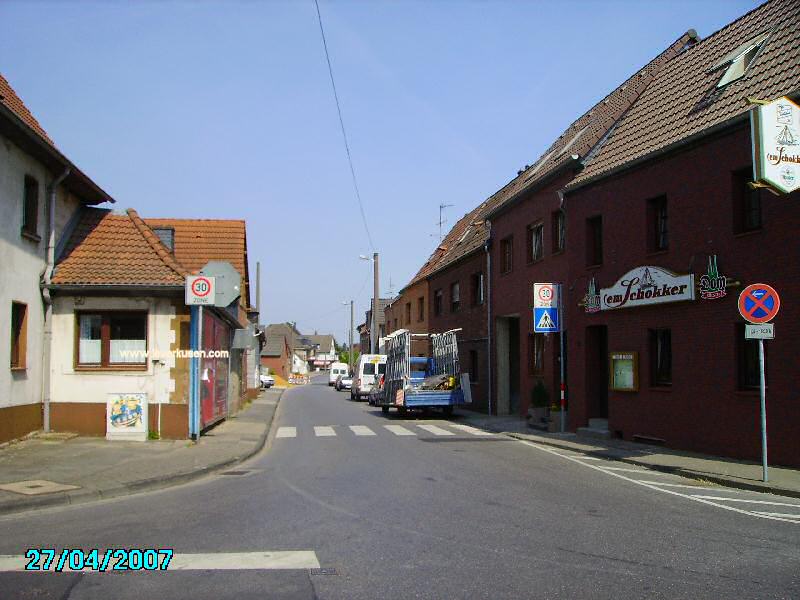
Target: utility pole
[
  {"x": 351, "y": 337},
  {"x": 374, "y": 334},
  {"x": 442, "y": 220}
]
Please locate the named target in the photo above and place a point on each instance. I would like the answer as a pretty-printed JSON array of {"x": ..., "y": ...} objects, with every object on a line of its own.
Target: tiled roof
[
  {"x": 274, "y": 346},
  {"x": 683, "y": 99},
  {"x": 14, "y": 103},
  {"x": 110, "y": 249},
  {"x": 325, "y": 341},
  {"x": 470, "y": 232}
]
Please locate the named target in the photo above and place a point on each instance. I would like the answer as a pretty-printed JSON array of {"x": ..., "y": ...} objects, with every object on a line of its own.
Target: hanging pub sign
[
  {"x": 712, "y": 284},
  {"x": 591, "y": 301},
  {"x": 775, "y": 131},
  {"x": 647, "y": 285}
]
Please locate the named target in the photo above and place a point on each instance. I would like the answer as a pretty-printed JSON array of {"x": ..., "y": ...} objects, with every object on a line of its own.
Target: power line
[{"x": 344, "y": 133}]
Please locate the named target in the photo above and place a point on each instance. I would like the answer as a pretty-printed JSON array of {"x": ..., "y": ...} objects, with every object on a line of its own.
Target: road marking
[
  {"x": 627, "y": 470},
  {"x": 361, "y": 430},
  {"x": 286, "y": 432},
  {"x": 675, "y": 485},
  {"x": 399, "y": 430},
  {"x": 324, "y": 431},
  {"x": 584, "y": 457},
  {"x": 790, "y": 515},
  {"x": 435, "y": 430},
  {"x": 470, "y": 430},
  {"x": 747, "y": 501},
  {"x": 222, "y": 561},
  {"x": 658, "y": 488}
]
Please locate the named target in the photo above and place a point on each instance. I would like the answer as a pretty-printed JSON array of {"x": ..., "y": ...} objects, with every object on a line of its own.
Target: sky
[{"x": 225, "y": 110}]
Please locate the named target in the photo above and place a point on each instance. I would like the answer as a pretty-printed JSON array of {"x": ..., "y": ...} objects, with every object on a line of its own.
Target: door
[{"x": 597, "y": 371}]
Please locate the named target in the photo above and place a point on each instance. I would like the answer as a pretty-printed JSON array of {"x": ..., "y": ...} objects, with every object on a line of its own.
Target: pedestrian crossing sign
[{"x": 545, "y": 320}]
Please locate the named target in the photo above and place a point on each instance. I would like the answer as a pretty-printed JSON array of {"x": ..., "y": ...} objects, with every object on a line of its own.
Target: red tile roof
[
  {"x": 683, "y": 100},
  {"x": 111, "y": 249},
  {"x": 14, "y": 103}
]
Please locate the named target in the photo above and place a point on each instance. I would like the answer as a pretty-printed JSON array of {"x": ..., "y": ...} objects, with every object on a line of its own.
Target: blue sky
[{"x": 224, "y": 110}]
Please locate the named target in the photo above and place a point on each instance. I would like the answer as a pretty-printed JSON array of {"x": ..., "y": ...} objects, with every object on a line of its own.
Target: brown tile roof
[
  {"x": 111, "y": 249},
  {"x": 683, "y": 99},
  {"x": 14, "y": 103},
  {"x": 470, "y": 232}
]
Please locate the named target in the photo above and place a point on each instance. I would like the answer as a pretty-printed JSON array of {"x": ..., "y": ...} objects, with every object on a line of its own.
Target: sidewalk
[
  {"x": 60, "y": 469},
  {"x": 727, "y": 472}
]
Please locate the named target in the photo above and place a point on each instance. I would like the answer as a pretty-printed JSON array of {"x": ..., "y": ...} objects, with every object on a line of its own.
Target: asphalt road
[{"x": 423, "y": 509}]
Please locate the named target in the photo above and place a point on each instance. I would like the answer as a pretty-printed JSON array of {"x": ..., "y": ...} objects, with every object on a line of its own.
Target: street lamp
[
  {"x": 350, "y": 333},
  {"x": 373, "y": 330}
]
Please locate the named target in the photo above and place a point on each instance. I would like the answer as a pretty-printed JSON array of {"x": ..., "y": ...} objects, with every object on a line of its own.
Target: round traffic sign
[
  {"x": 759, "y": 303},
  {"x": 201, "y": 287},
  {"x": 545, "y": 293}
]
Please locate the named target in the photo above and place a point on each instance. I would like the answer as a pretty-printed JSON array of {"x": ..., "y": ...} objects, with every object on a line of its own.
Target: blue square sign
[{"x": 545, "y": 320}]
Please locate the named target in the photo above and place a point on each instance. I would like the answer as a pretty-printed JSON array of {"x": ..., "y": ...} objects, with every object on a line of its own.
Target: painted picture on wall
[{"x": 126, "y": 417}]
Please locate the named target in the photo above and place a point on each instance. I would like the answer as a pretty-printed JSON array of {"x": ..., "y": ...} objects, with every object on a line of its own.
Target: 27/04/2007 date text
[{"x": 111, "y": 559}]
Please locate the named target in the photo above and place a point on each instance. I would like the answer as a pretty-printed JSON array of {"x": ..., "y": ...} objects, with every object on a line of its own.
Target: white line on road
[
  {"x": 222, "y": 561},
  {"x": 469, "y": 429},
  {"x": 627, "y": 470},
  {"x": 747, "y": 501},
  {"x": 399, "y": 430},
  {"x": 324, "y": 431},
  {"x": 286, "y": 432},
  {"x": 435, "y": 430},
  {"x": 675, "y": 485},
  {"x": 772, "y": 514},
  {"x": 361, "y": 430}
]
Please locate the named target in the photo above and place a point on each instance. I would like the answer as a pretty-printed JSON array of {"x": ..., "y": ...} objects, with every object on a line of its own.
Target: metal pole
[
  {"x": 561, "y": 358},
  {"x": 763, "y": 393},
  {"x": 375, "y": 336},
  {"x": 350, "y": 338},
  {"x": 199, "y": 373},
  {"x": 258, "y": 288}
]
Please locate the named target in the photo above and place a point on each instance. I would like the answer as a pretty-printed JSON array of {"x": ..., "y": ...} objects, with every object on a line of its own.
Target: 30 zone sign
[{"x": 199, "y": 290}]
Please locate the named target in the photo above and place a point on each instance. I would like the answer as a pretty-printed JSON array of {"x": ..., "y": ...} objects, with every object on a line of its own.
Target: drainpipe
[
  {"x": 48, "y": 301},
  {"x": 486, "y": 247}
]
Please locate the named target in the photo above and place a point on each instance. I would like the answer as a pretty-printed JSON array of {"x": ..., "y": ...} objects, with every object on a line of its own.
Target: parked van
[
  {"x": 337, "y": 369},
  {"x": 369, "y": 369}
]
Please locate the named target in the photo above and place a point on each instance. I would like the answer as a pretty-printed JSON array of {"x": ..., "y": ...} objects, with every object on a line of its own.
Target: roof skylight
[{"x": 739, "y": 60}]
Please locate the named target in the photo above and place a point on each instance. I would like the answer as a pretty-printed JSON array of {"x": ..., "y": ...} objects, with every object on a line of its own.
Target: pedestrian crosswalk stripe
[
  {"x": 470, "y": 430},
  {"x": 399, "y": 430},
  {"x": 324, "y": 431},
  {"x": 435, "y": 430},
  {"x": 361, "y": 430},
  {"x": 286, "y": 432}
]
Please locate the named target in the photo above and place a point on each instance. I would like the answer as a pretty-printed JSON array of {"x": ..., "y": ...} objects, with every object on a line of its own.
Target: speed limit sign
[{"x": 199, "y": 290}]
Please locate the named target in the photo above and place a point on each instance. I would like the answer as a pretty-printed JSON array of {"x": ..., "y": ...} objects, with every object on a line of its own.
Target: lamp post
[
  {"x": 373, "y": 330},
  {"x": 350, "y": 334}
]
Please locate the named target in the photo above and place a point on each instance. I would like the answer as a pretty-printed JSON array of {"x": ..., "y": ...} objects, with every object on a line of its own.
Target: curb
[
  {"x": 154, "y": 483},
  {"x": 689, "y": 474}
]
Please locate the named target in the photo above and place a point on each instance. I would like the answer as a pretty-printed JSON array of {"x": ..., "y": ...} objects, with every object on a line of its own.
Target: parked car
[
  {"x": 337, "y": 369},
  {"x": 267, "y": 381},
  {"x": 344, "y": 382},
  {"x": 369, "y": 368}
]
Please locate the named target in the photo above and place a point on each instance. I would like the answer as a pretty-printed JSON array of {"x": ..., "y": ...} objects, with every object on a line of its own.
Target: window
[
  {"x": 395, "y": 325},
  {"x": 30, "y": 208},
  {"x": 739, "y": 60},
  {"x": 559, "y": 226},
  {"x": 455, "y": 296},
  {"x": 594, "y": 241},
  {"x": 112, "y": 339},
  {"x": 747, "y": 367},
  {"x": 660, "y": 357},
  {"x": 167, "y": 237},
  {"x": 657, "y": 232},
  {"x": 506, "y": 254},
  {"x": 536, "y": 353},
  {"x": 19, "y": 335},
  {"x": 535, "y": 239},
  {"x": 437, "y": 302},
  {"x": 408, "y": 313},
  {"x": 473, "y": 366},
  {"x": 746, "y": 203},
  {"x": 421, "y": 308},
  {"x": 477, "y": 289}
]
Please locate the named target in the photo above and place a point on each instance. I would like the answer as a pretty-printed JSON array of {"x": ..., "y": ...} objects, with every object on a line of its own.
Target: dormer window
[
  {"x": 739, "y": 61},
  {"x": 167, "y": 237}
]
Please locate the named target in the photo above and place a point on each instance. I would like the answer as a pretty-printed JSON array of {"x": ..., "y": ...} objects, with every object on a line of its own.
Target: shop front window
[{"x": 661, "y": 357}]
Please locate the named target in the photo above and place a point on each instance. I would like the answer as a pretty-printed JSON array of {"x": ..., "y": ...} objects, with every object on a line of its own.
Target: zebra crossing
[{"x": 405, "y": 430}]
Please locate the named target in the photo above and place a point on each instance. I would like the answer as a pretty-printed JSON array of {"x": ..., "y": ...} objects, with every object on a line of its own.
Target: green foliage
[
  {"x": 541, "y": 396},
  {"x": 153, "y": 435},
  {"x": 344, "y": 356}
]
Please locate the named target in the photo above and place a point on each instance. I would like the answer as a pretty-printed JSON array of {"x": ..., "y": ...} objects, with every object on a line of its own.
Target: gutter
[{"x": 487, "y": 247}]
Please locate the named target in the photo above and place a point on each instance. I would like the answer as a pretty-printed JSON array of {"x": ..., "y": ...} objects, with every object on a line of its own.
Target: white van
[
  {"x": 369, "y": 369},
  {"x": 337, "y": 369}
]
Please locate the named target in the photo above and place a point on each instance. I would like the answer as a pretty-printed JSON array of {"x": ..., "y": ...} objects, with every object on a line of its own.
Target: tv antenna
[{"x": 442, "y": 220}]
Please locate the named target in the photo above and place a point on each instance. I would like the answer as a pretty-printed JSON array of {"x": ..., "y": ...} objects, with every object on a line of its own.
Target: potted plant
[{"x": 540, "y": 398}]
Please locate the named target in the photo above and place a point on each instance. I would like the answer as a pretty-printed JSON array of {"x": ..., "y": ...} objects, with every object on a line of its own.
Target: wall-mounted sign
[
  {"x": 591, "y": 301},
  {"x": 199, "y": 290},
  {"x": 647, "y": 285},
  {"x": 624, "y": 371},
  {"x": 775, "y": 130},
  {"x": 126, "y": 417},
  {"x": 712, "y": 284}
]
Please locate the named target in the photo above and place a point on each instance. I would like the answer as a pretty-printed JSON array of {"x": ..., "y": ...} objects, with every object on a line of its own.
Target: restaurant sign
[
  {"x": 776, "y": 144},
  {"x": 647, "y": 285}
]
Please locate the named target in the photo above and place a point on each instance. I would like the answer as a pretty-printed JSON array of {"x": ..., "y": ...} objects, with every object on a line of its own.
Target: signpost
[
  {"x": 547, "y": 313},
  {"x": 758, "y": 304}
]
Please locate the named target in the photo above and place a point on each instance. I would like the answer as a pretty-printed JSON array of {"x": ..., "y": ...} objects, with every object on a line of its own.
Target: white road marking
[
  {"x": 286, "y": 432},
  {"x": 748, "y": 501},
  {"x": 324, "y": 431},
  {"x": 584, "y": 457},
  {"x": 658, "y": 488},
  {"x": 790, "y": 515},
  {"x": 222, "y": 561},
  {"x": 361, "y": 430},
  {"x": 469, "y": 429},
  {"x": 435, "y": 430},
  {"x": 399, "y": 430},
  {"x": 628, "y": 470},
  {"x": 675, "y": 485}
]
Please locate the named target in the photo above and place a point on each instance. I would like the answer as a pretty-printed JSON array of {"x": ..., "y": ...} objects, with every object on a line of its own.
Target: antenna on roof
[{"x": 442, "y": 220}]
